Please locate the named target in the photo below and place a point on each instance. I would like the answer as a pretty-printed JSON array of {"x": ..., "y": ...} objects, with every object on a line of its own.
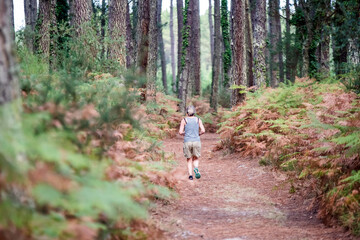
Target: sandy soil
[{"x": 235, "y": 199}]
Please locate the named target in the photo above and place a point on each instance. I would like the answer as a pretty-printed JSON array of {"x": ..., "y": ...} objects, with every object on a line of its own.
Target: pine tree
[
  {"x": 161, "y": 47},
  {"x": 172, "y": 43},
  {"x": 217, "y": 56},
  {"x": 30, "y": 8}
]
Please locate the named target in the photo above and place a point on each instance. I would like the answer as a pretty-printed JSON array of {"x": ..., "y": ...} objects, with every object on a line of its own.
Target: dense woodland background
[{"x": 92, "y": 86}]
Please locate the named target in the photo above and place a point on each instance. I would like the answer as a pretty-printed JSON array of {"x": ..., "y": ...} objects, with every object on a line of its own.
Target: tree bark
[
  {"x": 259, "y": 35},
  {"x": 276, "y": 65},
  {"x": 102, "y": 25},
  {"x": 117, "y": 31},
  {"x": 184, "y": 73},
  {"x": 249, "y": 46},
  {"x": 180, "y": 19},
  {"x": 30, "y": 8},
  {"x": 217, "y": 56},
  {"x": 287, "y": 42},
  {"x": 211, "y": 30},
  {"x": 172, "y": 43},
  {"x": 81, "y": 11},
  {"x": 46, "y": 25},
  {"x": 195, "y": 46},
  {"x": 142, "y": 35},
  {"x": 238, "y": 22},
  {"x": 130, "y": 55},
  {"x": 152, "y": 55},
  {"x": 9, "y": 85},
  {"x": 161, "y": 47}
]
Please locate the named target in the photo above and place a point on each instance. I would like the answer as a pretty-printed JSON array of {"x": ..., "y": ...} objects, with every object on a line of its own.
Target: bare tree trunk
[
  {"x": 117, "y": 31},
  {"x": 9, "y": 85},
  {"x": 81, "y": 11},
  {"x": 180, "y": 19},
  {"x": 161, "y": 47},
  {"x": 217, "y": 56},
  {"x": 152, "y": 55},
  {"x": 279, "y": 42},
  {"x": 275, "y": 38},
  {"x": 287, "y": 41},
  {"x": 172, "y": 42},
  {"x": 211, "y": 28},
  {"x": 249, "y": 47},
  {"x": 103, "y": 12},
  {"x": 259, "y": 35},
  {"x": 325, "y": 45},
  {"x": 195, "y": 43},
  {"x": 30, "y": 8},
  {"x": 238, "y": 22},
  {"x": 142, "y": 35}
]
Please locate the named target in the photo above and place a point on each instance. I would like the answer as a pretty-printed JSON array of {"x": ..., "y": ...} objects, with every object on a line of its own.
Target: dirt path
[{"x": 235, "y": 199}]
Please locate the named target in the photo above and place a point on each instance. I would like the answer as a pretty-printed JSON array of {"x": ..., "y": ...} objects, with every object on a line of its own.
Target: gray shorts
[{"x": 192, "y": 149}]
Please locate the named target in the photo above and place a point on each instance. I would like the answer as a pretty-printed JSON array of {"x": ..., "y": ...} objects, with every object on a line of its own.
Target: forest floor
[{"x": 235, "y": 199}]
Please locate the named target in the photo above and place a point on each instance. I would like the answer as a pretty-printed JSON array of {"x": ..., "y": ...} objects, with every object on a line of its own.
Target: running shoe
[
  {"x": 197, "y": 173},
  {"x": 191, "y": 177}
]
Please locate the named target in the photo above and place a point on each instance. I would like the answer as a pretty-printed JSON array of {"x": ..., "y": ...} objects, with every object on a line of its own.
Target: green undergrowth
[
  {"x": 80, "y": 155},
  {"x": 311, "y": 131}
]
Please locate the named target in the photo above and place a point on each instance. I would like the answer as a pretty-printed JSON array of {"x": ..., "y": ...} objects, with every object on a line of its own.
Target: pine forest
[{"x": 97, "y": 99}]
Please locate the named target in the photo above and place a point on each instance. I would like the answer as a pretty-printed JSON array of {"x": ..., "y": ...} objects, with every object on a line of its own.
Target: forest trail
[{"x": 235, "y": 199}]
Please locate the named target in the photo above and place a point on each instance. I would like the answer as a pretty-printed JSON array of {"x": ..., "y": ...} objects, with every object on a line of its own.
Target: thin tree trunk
[
  {"x": 180, "y": 19},
  {"x": 325, "y": 45},
  {"x": 30, "y": 8},
  {"x": 129, "y": 40},
  {"x": 117, "y": 31},
  {"x": 161, "y": 47},
  {"x": 238, "y": 22},
  {"x": 279, "y": 42},
  {"x": 287, "y": 42},
  {"x": 226, "y": 59},
  {"x": 195, "y": 43},
  {"x": 211, "y": 30},
  {"x": 249, "y": 47},
  {"x": 184, "y": 73},
  {"x": 142, "y": 35},
  {"x": 172, "y": 52},
  {"x": 102, "y": 24},
  {"x": 217, "y": 56},
  {"x": 259, "y": 35},
  {"x": 275, "y": 53},
  {"x": 152, "y": 55}
]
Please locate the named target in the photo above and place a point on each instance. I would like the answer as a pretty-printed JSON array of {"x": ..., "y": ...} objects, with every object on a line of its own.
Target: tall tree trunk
[
  {"x": 249, "y": 46},
  {"x": 217, "y": 56},
  {"x": 129, "y": 40},
  {"x": 11, "y": 15},
  {"x": 258, "y": 15},
  {"x": 180, "y": 19},
  {"x": 142, "y": 35},
  {"x": 46, "y": 25},
  {"x": 226, "y": 60},
  {"x": 102, "y": 24},
  {"x": 238, "y": 22},
  {"x": 161, "y": 47},
  {"x": 117, "y": 31},
  {"x": 9, "y": 86},
  {"x": 287, "y": 42},
  {"x": 153, "y": 52},
  {"x": 195, "y": 46},
  {"x": 172, "y": 43},
  {"x": 325, "y": 44},
  {"x": 211, "y": 30},
  {"x": 30, "y": 8},
  {"x": 184, "y": 73},
  {"x": 81, "y": 12},
  {"x": 275, "y": 44}
]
